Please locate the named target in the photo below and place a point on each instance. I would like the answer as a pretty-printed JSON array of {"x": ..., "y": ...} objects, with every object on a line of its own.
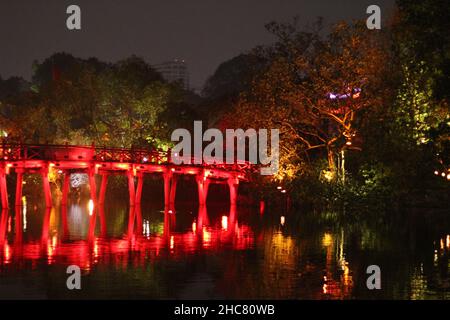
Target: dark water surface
[{"x": 219, "y": 252}]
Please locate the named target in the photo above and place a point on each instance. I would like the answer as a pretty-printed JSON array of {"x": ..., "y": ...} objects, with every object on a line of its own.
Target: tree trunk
[{"x": 331, "y": 163}]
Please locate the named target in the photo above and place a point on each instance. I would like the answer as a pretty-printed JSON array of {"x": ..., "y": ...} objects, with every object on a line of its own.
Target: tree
[
  {"x": 315, "y": 91},
  {"x": 131, "y": 98},
  {"x": 422, "y": 44},
  {"x": 81, "y": 101}
]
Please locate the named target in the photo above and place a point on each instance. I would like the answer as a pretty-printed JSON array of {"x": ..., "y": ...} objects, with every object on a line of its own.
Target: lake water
[{"x": 218, "y": 252}]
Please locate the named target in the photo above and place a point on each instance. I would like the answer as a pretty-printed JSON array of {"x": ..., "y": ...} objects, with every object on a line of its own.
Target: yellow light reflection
[
  {"x": 206, "y": 237},
  {"x": 327, "y": 240},
  {"x": 7, "y": 252},
  {"x": 172, "y": 242},
  {"x": 24, "y": 212}
]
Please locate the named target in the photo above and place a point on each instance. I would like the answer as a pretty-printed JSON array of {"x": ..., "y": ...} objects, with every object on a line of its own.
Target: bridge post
[
  {"x": 93, "y": 186},
  {"x": 131, "y": 220},
  {"x": 102, "y": 195},
  {"x": 19, "y": 183},
  {"x": 232, "y": 219},
  {"x": 101, "y": 214},
  {"x": 233, "y": 184},
  {"x": 167, "y": 176},
  {"x": 173, "y": 190},
  {"x": 140, "y": 184},
  {"x": 65, "y": 189},
  {"x": 92, "y": 224},
  {"x": 3, "y": 226},
  {"x": 202, "y": 187},
  {"x": 131, "y": 189},
  {"x": 138, "y": 212},
  {"x": 46, "y": 186},
  {"x": 3, "y": 189}
]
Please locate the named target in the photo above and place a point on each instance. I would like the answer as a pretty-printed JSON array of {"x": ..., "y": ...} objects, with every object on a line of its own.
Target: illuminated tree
[
  {"x": 79, "y": 101},
  {"x": 316, "y": 91}
]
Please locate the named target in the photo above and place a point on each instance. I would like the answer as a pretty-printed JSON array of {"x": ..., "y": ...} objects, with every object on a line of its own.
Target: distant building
[{"x": 174, "y": 71}]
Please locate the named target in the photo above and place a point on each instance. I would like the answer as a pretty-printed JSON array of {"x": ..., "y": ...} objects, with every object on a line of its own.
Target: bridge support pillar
[
  {"x": 173, "y": 191},
  {"x": 131, "y": 189},
  {"x": 167, "y": 176},
  {"x": 140, "y": 184},
  {"x": 232, "y": 219},
  {"x": 19, "y": 184},
  {"x": 3, "y": 226},
  {"x": 139, "y": 227},
  {"x": 233, "y": 184},
  {"x": 93, "y": 186},
  {"x": 47, "y": 190},
  {"x": 202, "y": 187},
  {"x": 101, "y": 196},
  {"x": 3, "y": 189},
  {"x": 65, "y": 188}
]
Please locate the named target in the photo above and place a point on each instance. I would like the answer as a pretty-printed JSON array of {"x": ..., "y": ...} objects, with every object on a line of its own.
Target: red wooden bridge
[{"x": 134, "y": 163}]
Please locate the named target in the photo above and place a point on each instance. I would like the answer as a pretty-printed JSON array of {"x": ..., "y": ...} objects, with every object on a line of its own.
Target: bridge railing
[{"x": 48, "y": 152}]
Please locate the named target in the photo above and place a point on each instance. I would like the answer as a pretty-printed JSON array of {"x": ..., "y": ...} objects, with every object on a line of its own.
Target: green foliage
[{"x": 78, "y": 101}]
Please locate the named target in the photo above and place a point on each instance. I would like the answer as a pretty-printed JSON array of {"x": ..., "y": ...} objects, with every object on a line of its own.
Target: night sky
[{"x": 203, "y": 32}]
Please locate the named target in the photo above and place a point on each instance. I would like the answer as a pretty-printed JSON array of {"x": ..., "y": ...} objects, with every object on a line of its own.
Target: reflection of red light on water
[
  {"x": 206, "y": 238},
  {"x": 172, "y": 242},
  {"x": 7, "y": 253},
  {"x": 9, "y": 224},
  {"x": 95, "y": 250}
]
